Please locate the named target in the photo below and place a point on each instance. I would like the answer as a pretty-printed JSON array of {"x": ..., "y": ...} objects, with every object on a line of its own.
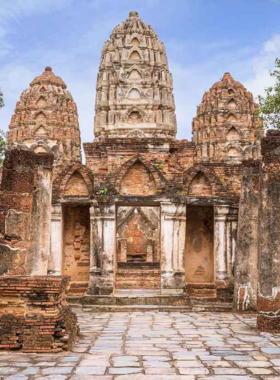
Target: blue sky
[{"x": 203, "y": 39}]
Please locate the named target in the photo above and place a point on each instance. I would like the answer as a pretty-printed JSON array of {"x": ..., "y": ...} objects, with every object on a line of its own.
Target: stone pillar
[
  {"x": 232, "y": 224},
  {"x": 268, "y": 302},
  {"x": 225, "y": 232},
  {"x": 55, "y": 262},
  {"x": 246, "y": 264},
  {"x": 103, "y": 247},
  {"x": 220, "y": 243},
  {"x": 173, "y": 236},
  {"x": 38, "y": 256}
]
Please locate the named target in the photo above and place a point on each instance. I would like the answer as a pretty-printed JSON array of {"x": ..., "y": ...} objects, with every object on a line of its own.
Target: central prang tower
[{"x": 134, "y": 86}]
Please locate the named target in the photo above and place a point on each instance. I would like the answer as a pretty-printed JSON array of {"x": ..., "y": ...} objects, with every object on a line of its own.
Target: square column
[
  {"x": 55, "y": 262},
  {"x": 102, "y": 257},
  {"x": 225, "y": 232},
  {"x": 173, "y": 236}
]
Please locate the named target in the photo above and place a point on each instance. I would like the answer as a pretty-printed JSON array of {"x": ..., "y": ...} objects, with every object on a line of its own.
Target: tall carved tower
[
  {"x": 46, "y": 119},
  {"x": 134, "y": 85},
  {"x": 227, "y": 126}
]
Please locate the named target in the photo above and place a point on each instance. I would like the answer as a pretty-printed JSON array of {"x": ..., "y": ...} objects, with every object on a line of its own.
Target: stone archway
[{"x": 138, "y": 247}]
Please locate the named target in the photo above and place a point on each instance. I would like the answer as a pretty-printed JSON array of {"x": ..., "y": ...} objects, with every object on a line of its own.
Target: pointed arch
[
  {"x": 64, "y": 175},
  {"x": 41, "y": 131},
  {"x": 135, "y": 54},
  {"x": 200, "y": 186},
  {"x": 217, "y": 187},
  {"x": 134, "y": 93},
  {"x": 40, "y": 117},
  {"x": 232, "y": 134},
  {"x": 158, "y": 181},
  {"x": 135, "y": 74},
  {"x": 138, "y": 181},
  {"x": 231, "y": 118},
  {"x": 41, "y": 102},
  {"x": 232, "y": 104},
  {"x": 76, "y": 186},
  {"x": 135, "y": 41}
]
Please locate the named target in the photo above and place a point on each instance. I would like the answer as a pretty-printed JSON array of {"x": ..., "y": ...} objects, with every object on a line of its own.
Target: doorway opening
[
  {"x": 199, "y": 249},
  {"x": 138, "y": 247},
  {"x": 76, "y": 246}
]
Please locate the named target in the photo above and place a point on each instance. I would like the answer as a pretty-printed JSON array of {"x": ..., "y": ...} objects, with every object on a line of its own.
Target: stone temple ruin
[{"x": 196, "y": 222}]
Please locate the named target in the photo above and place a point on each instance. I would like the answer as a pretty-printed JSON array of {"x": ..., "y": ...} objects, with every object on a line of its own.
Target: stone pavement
[{"x": 156, "y": 346}]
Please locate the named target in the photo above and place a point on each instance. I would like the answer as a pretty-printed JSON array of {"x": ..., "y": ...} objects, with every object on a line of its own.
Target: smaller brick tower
[
  {"x": 46, "y": 119},
  {"x": 227, "y": 126}
]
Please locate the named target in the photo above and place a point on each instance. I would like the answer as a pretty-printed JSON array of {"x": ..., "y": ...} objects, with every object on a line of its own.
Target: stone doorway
[
  {"x": 138, "y": 247},
  {"x": 199, "y": 249},
  {"x": 76, "y": 246}
]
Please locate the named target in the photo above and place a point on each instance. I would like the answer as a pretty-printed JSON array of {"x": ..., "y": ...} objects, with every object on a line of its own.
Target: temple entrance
[
  {"x": 76, "y": 246},
  {"x": 138, "y": 247},
  {"x": 199, "y": 249}
]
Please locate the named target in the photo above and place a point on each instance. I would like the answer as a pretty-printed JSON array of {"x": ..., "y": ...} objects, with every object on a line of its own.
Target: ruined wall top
[
  {"x": 46, "y": 119},
  {"x": 227, "y": 126},
  {"x": 134, "y": 86}
]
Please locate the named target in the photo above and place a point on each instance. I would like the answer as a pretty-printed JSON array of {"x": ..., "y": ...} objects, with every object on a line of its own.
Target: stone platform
[
  {"x": 156, "y": 346},
  {"x": 134, "y": 300}
]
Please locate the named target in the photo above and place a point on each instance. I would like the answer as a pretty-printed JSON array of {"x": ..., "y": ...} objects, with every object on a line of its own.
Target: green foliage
[
  {"x": 180, "y": 192},
  {"x": 1, "y": 99},
  {"x": 159, "y": 165},
  {"x": 269, "y": 105},
  {"x": 2, "y": 146},
  {"x": 103, "y": 191}
]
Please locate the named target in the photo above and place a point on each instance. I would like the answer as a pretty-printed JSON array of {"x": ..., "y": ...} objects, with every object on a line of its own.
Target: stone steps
[
  {"x": 159, "y": 302},
  {"x": 211, "y": 307},
  {"x": 138, "y": 278}
]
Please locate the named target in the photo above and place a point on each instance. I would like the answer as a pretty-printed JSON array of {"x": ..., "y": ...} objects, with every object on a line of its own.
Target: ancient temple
[{"x": 146, "y": 211}]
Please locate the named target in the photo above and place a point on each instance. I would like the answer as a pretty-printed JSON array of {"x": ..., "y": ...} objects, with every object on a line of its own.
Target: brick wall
[
  {"x": 34, "y": 316},
  {"x": 136, "y": 166},
  {"x": 21, "y": 203},
  {"x": 268, "y": 301}
]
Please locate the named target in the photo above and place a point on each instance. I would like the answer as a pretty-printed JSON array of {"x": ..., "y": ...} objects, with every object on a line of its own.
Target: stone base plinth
[
  {"x": 268, "y": 312},
  {"x": 268, "y": 322},
  {"x": 34, "y": 316}
]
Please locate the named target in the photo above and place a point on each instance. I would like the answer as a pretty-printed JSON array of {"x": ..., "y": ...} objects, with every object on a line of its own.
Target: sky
[{"x": 203, "y": 39}]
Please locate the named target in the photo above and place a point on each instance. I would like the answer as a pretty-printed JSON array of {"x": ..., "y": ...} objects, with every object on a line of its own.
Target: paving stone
[
  {"x": 90, "y": 377},
  {"x": 229, "y": 371},
  {"x": 188, "y": 364},
  {"x": 156, "y": 346},
  {"x": 90, "y": 370},
  {"x": 152, "y": 377},
  {"x": 124, "y": 371},
  {"x": 193, "y": 371},
  {"x": 8, "y": 370},
  {"x": 56, "y": 370},
  {"x": 253, "y": 364},
  {"x": 260, "y": 371}
]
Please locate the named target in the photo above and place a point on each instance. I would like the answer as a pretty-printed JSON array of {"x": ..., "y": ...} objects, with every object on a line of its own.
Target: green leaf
[{"x": 269, "y": 105}]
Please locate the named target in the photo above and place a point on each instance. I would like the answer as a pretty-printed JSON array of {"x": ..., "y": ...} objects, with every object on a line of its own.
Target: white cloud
[{"x": 261, "y": 64}]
